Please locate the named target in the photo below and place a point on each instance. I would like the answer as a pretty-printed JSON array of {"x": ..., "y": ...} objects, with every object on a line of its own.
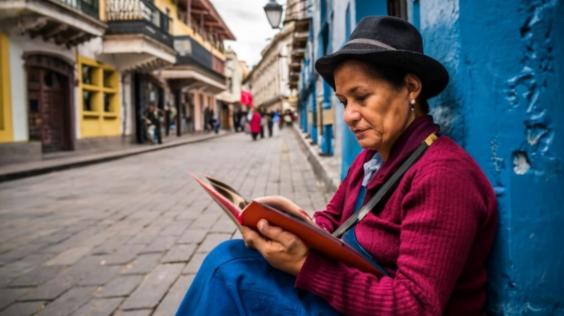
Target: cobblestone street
[{"x": 126, "y": 237}]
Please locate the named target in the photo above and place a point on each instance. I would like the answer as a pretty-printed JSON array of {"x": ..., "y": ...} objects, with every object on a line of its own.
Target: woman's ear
[{"x": 414, "y": 86}]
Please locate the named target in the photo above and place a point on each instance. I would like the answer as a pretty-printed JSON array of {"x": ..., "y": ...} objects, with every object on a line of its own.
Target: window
[
  {"x": 397, "y": 8},
  {"x": 99, "y": 88}
]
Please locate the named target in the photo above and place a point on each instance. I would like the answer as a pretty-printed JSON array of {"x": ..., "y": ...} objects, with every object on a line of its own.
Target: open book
[{"x": 248, "y": 213}]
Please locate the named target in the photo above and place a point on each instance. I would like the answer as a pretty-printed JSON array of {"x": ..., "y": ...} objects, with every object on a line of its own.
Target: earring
[{"x": 412, "y": 105}]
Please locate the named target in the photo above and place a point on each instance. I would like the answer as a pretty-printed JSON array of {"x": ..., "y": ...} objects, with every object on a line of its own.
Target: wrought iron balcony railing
[
  {"x": 89, "y": 7},
  {"x": 190, "y": 52},
  {"x": 138, "y": 16}
]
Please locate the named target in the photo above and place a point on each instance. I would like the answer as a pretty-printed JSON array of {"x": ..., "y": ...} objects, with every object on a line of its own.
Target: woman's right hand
[{"x": 284, "y": 204}]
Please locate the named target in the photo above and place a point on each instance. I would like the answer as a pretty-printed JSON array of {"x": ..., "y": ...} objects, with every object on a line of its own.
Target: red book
[{"x": 248, "y": 213}]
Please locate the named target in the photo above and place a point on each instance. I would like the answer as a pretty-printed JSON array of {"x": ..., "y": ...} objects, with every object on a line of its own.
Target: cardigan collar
[{"x": 408, "y": 141}]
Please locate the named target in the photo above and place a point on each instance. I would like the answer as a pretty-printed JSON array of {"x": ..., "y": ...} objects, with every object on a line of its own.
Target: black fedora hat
[{"x": 391, "y": 42}]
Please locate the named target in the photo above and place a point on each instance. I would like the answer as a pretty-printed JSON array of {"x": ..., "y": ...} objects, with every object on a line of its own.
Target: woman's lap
[{"x": 235, "y": 280}]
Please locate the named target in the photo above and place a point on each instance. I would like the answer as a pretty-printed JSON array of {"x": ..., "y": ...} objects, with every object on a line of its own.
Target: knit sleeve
[{"x": 440, "y": 217}]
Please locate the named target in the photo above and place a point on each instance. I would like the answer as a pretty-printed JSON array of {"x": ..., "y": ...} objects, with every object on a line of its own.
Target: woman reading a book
[{"x": 431, "y": 217}]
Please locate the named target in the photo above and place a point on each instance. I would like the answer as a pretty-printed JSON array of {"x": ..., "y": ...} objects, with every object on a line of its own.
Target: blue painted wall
[
  {"x": 350, "y": 148},
  {"x": 370, "y": 7},
  {"x": 504, "y": 105}
]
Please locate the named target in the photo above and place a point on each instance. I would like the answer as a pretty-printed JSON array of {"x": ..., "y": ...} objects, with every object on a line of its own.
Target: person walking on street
[
  {"x": 215, "y": 124},
  {"x": 270, "y": 122},
  {"x": 263, "y": 123},
  {"x": 153, "y": 117},
  {"x": 255, "y": 124},
  {"x": 207, "y": 116},
  {"x": 280, "y": 119}
]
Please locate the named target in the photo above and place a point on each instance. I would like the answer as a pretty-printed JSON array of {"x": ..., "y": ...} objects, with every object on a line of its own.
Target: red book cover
[{"x": 246, "y": 213}]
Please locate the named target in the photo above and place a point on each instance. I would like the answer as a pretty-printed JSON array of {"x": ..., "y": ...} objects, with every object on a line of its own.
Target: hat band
[{"x": 368, "y": 41}]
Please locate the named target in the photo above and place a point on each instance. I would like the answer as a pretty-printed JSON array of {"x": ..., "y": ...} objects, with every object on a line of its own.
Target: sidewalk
[{"x": 78, "y": 158}]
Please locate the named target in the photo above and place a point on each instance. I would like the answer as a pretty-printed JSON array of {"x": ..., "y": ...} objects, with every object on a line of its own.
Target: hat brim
[{"x": 433, "y": 75}]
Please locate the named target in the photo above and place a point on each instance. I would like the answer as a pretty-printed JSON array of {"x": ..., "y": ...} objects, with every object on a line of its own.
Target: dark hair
[{"x": 395, "y": 77}]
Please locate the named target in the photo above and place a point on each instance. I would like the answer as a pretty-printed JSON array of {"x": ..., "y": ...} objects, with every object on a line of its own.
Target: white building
[{"x": 269, "y": 79}]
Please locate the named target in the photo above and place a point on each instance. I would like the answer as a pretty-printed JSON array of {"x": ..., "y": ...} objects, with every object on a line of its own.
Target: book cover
[{"x": 248, "y": 213}]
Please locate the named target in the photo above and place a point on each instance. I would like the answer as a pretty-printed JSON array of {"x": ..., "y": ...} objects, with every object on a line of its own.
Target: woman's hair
[{"x": 395, "y": 77}]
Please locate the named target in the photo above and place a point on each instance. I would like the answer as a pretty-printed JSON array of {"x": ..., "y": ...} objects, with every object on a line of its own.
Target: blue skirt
[{"x": 235, "y": 280}]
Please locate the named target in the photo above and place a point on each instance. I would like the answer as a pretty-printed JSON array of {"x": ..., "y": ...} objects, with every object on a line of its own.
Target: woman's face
[{"x": 375, "y": 111}]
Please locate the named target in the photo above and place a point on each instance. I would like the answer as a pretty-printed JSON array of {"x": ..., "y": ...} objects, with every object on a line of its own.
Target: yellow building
[
  {"x": 81, "y": 74},
  {"x": 38, "y": 114}
]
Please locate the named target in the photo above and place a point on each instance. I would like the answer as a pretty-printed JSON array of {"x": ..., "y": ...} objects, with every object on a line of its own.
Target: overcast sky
[{"x": 247, "y": 21}]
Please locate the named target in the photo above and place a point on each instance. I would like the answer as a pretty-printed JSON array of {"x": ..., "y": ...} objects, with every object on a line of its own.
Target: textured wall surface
[{"x": 504, "y": 105}]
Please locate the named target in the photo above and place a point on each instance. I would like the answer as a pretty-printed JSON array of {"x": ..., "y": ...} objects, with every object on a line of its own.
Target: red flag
[{"x": 246, "y": 98}]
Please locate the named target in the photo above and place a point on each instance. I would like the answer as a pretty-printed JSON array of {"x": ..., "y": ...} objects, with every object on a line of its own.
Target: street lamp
[{"x": 273, "y": 12}]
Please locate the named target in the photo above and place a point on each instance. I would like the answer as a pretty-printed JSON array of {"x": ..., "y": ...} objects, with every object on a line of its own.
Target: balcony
[
  {"x": 196, "y": 67},
  {"x": 138, "y": 35},
  {"x": 88, "y": 7},
  {"x": 298, "y": 13},
  {"x": 138, "y": 17},
  {"x": 64, "y": 22}
]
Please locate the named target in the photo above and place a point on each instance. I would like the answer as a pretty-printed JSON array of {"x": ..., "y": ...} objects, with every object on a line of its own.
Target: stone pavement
[{"x": 126, "y": 237}]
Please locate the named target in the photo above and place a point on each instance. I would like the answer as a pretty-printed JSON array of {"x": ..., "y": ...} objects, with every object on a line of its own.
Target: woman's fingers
[
  {"x": 253, "y": 239},
  {"x": 281, "y": 249},
  {"x": 277, "y": 234},
  {"x": 284, "y": 204}
]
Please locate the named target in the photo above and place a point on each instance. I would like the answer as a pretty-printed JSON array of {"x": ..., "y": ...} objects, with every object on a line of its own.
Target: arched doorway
[{"x": 49, "y": 95}]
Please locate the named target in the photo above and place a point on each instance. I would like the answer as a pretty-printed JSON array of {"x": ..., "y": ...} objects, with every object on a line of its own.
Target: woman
[
  {"x": 432, "y": 232},
  {"x": 255, "y": 124}
]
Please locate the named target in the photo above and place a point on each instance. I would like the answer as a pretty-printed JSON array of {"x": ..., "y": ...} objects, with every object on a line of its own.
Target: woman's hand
[
  {"x": 284, "y": 204},
  {"x": 282, "y": 249}
]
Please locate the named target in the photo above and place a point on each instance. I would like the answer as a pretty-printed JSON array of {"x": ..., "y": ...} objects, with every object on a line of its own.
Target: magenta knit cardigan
[{"x": 433, "y": 233}]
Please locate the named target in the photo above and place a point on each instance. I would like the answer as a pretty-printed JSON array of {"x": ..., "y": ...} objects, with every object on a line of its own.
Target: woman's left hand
[{"x": 282, "y": 249}]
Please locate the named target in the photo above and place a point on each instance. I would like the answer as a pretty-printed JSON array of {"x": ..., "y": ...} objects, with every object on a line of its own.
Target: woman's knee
[{"x": 228, "y": 251}]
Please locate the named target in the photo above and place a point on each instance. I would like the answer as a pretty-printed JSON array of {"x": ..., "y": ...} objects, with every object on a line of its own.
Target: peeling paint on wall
[
  {"x": 505, "y": 105},
  {"x": 527, "y": 89},
  {"x": 520, "y": 163}
]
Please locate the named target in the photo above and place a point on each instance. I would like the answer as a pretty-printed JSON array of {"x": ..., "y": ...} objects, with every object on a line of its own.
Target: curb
[
  {"x": 24, "y": 172},
  {"x": 319, "y": 169}
]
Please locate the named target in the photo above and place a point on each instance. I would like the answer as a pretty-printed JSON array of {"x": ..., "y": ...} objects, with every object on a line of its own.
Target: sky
[{"x": 247, "y": 21}]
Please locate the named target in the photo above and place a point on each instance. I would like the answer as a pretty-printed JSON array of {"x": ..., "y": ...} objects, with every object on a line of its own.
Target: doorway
[{"x": 49, "y": 102}]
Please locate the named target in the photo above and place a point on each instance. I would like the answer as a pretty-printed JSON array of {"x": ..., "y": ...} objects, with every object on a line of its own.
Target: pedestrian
[
  {"x": 263, "y": 123},
  {"x": 270, "y": 122},
  {"x": 244, "y": 122},
  {"x": 255, "y": 123},
  {"x": 281, "y": 119},
  {"x": 215, "y": 124},
  {"x": 211, "y": 120},
  {"x": 153, "y": 118},
  {"x": 207, "y": 117},
  {"x": 276, "y": 119},
  {"x": 431, "y": 233},
  {"x": 167, "y": 113},
  {"x": 236, "y": 120},
  {"x": 288, "y": 118}
]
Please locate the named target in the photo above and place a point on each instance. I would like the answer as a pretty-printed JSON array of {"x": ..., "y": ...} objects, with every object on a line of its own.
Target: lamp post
[{"x": 273, "y": 12}]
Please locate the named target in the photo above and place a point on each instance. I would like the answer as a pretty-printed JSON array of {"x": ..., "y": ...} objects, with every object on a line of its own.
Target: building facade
[
  {"x": 506, "y": 63},
  {"x": 39, "y": 57},
  {"x": 77, "y": 74},
  {"x": 269, "y": 78},
  {"x": 197, "y": 77},
  {"x": 229, "y": 100}
]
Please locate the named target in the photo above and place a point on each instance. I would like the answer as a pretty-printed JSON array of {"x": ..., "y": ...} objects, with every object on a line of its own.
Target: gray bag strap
[{"x": 364, "y": 210}]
